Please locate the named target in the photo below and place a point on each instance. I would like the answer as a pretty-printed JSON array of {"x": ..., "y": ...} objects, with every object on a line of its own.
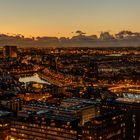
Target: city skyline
[
  {"x": 63, "y": 18},
  {"x": 69, "y": 70}
]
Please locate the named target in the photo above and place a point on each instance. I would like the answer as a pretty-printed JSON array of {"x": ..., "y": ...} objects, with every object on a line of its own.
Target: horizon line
[{"x": 75, "y": 34}]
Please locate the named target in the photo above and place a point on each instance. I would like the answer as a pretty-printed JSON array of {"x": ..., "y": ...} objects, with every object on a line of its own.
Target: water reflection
[{"x": 34, "y": 78}]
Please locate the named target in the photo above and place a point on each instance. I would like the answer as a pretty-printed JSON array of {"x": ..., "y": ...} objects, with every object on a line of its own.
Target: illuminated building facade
[{"x": 10, "y": 51}]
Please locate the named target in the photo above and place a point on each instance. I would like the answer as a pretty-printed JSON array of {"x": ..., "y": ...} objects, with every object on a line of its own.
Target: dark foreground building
[
  {"x": 132, "y": 119},
  {"x": 74, "y": 119},
  {"x": 5, "y": 117}
]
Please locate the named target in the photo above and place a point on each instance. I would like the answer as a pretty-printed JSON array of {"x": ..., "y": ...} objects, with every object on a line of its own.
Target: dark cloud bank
[{"x": 121, "y": 39}]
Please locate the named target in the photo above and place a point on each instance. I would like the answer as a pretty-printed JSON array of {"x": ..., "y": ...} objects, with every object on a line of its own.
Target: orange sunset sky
[{"x": 64, "y": 17}]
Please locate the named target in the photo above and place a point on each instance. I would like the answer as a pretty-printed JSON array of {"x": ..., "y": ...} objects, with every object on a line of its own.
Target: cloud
[{"x": 122, "y": 39}]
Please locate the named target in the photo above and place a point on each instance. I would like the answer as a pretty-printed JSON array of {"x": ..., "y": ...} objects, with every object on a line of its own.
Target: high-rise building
[
  {"x": 93, "y": 69},
  {"x": 10, "y": 51},
  {"x": 53, "y": 63},
  {"x": 91, "y": 72}
]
